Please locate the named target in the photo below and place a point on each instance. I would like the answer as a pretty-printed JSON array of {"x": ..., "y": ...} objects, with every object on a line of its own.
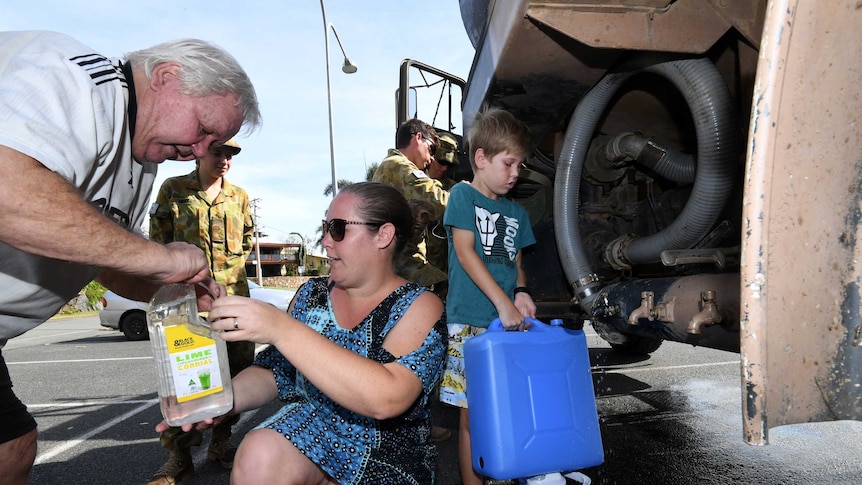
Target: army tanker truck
[{"x": 696, "y": 178}]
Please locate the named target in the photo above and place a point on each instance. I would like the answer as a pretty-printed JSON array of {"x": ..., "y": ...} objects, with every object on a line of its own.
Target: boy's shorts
[
  {"x": 453, "y": 388},
  {"x": 15, "y": 421}
]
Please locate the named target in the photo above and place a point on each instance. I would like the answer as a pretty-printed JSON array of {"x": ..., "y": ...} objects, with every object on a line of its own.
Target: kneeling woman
[{"x": 355, "y": 359}]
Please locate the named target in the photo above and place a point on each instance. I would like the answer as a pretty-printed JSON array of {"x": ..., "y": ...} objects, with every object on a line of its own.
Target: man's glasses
[
  {"x": 432, "y": 147},
  {"x": 336, "y": 227}
]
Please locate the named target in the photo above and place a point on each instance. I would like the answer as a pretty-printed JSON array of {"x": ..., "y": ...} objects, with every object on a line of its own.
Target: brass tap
[
  {"x": 709, "y": 314},
  {"x": 643, "y": 311}
]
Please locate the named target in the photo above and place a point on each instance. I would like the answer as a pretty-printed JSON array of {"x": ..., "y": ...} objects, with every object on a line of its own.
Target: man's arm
[
  {"x": 430, "y": 190},
  {"x": 137, "y": 289},
  {"x": 248, "y": 223},
  {"x": 413, "y": 183},
  {"x": 41, "y": 213}
]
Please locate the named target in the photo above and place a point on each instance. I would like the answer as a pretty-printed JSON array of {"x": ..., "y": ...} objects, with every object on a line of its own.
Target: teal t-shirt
[{"x": 501, "y": 228}]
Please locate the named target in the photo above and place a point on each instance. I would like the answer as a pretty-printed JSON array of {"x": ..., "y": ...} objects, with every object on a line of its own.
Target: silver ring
[{"x": 235, "y": 324}]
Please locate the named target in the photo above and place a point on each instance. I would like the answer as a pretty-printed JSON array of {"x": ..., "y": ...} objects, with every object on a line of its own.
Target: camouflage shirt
[
  {"x": 436, "y": 243},
  {"x": 222, "y": 228},
  {"x": 446, "y": 183},
  {"x": 398, "y": 171}
]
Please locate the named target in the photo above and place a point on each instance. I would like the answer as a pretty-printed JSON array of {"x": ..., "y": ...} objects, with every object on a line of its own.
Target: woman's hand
[
  {"x": 205, "y": 424},
  {"x": 244, "y": 319}
]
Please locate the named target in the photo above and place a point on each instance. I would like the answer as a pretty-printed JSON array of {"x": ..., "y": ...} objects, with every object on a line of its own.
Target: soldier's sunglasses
[
  {"x": 432, "y": 147},
  {"x": 336, "y": 228}
]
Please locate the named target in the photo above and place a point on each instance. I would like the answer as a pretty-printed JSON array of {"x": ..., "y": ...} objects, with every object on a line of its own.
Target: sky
[{"x": 281, "y": 45}]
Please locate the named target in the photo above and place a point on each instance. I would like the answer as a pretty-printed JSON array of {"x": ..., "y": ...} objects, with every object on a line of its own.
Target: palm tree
[
  {"x": 369, "y": 174},
  {"x": 341, "y": 184},
  {"x": 318, "y": 237}
]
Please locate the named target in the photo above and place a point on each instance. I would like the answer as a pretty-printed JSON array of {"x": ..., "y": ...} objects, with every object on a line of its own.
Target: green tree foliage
[
  {"x": 94, "y": 292},
  {"x": 341, "y": 183},
  {"x": 369, "y": 174},
  {"x": 327, "y": 191}
]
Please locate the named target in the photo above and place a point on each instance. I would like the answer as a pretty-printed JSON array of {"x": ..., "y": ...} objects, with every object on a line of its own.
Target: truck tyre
[{"x": 637, "y": 345}]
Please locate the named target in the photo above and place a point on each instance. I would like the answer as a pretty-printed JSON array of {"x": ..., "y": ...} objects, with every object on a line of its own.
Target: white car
[{"x": 130, "y": 316}]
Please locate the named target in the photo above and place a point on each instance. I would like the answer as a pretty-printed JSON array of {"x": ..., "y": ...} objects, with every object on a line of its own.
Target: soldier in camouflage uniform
[
  {"x": 445, "y": 159},
  {"x": 204, "y": 209},
  {"x": 404, "y": 168}
]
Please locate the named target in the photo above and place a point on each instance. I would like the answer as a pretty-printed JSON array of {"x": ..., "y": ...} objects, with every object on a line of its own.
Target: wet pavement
[
  {"x": 675, "y": 418},
  {"x": 671, "y": 418}
]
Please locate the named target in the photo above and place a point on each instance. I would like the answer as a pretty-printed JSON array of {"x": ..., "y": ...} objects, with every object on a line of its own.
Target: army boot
[
  {"x": 178, "y": 467},
  {"x": 440, "y": 434},
  {"x": 221, "y": 450}
]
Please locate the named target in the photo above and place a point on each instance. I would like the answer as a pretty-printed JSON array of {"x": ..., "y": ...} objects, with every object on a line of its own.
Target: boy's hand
[
  {"x": 511, "y": 318},
  {"x": 524, "y": 303}
]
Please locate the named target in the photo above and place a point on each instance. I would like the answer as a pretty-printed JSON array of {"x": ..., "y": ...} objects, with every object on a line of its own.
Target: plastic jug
[
  {"x": 549, "y": 479},
  {"x": 531, "y": 400},
  {"x": 557, "y": 479},
  {"x": 191, "y": 360}
]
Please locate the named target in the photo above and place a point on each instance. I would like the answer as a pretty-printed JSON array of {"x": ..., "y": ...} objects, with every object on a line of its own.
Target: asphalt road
[{"x": 672, "y": 418}]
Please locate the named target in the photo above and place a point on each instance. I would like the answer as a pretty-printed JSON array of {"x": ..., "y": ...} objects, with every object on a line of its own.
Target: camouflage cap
[
  {"x": 232, "y": 145},
  {"x": 446, "y": 149}
]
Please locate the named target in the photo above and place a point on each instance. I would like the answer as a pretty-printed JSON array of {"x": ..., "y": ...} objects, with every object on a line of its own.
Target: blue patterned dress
[{"x": 351, "y": 448}]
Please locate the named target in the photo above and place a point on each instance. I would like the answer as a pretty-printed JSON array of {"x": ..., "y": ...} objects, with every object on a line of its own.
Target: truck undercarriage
[{"x": 696, "y": 178}]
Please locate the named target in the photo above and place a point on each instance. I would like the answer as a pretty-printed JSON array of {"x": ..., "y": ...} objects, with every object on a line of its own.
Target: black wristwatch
[{"x": 523, "y": 289}]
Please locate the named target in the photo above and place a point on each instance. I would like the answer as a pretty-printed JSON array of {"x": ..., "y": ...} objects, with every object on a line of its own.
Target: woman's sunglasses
[{"x": 336, "y": 227}]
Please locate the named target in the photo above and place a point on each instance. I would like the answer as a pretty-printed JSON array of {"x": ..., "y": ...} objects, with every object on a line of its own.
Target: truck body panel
[{"x": 800, "y": 273}]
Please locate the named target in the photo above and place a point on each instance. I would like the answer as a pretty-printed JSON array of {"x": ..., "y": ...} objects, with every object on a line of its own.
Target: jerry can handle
[{"x": 535, "y": 325}]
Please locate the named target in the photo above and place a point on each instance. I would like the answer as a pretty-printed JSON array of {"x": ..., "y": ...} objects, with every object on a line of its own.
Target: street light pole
[
  {"x": 256, "y": 228},
  {"x": 347, "y": 68}
]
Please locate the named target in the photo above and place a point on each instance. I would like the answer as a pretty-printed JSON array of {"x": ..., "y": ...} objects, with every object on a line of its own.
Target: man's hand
[
  {"x": 185, "y": 263},
  {"x": 207, "y": 292}
]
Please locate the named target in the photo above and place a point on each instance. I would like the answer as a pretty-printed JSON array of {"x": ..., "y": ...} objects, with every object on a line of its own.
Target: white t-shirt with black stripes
[{"x": 67, "y": 107}]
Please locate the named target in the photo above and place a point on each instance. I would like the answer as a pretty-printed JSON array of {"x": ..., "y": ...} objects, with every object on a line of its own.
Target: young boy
[{"x": 486, "y": 232}]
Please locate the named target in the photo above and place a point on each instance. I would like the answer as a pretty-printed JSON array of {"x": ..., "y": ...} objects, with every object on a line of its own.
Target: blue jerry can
[{"x": 531, "y": 400}]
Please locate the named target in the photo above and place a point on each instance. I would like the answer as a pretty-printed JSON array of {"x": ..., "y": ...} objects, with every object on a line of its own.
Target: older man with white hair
[{"x": 81, "y": 137}]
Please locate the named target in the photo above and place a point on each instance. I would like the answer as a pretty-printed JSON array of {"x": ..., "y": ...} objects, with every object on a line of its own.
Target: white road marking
[
  {"x": 627, "y": 370},
  {"x": 52, "y": 335},
  {"x": 199, "y": 456},
  {"x": 69, "y": 361},
  {"x": 82, "y": 404},
  {"x": 67, "y": 445},
  {"x": 22, "y": 342}
]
